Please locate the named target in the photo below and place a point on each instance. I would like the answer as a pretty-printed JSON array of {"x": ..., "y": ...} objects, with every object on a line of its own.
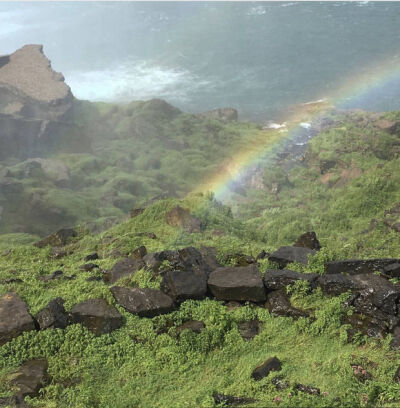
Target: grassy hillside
[{"x": 145, "y": 363}]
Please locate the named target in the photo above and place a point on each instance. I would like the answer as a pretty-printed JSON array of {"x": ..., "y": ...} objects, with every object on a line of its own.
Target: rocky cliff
[{"x": 35, "y": 107}]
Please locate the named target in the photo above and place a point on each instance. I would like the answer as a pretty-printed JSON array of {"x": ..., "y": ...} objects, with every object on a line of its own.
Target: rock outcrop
[
  {"x": 35, "y": 107},
  {"x": 14, "y": 317}
]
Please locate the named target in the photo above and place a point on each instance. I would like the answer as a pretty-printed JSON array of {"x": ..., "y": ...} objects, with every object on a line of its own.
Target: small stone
[
  {"x": 91, "y": 257},
  {"x": 140, "y": 252},
  {"x": 53, "y": 315},
  {"x": 272, "y": 364},
  {"x": 307, "y": 389},
  {"x": 196, "y": 326},
  {"x": 248, "y": 330},
  {"x": 88, "y": 267}
]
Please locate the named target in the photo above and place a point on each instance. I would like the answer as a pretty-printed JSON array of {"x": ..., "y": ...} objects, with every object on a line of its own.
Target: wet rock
[
  {"x": 237, "y": 283},
  {"x": 308, "y": 240},
  {"x": 124, "y": 268},
  {"x": 288, "y": 254},
  {"x": 307, "y": 389},
  {"x": 91, "y": 257},
  {"x": 59, "y": 238},
  {"x": 275, "y": 279},
  {"x": 14, "y": 317},
  {"x": 181, "y": 217},
  {"x": 376, "y": 293},
  {"x": 97, "y": 315},
  {"x": 335, "y": 284},
  {"x": 209, "y": 255},
  {"x": 359, "y": 266},
  {"x": 230, "y": 401},
  {"x": 29, "y": 378},
  {"x": 134, "y": 212},
  {"x": 53, "y": 315},
  {"x": 196, "y": 326},
  {"x": 272, "y": 364},
  {"x": 249, "y": 330},
  {"x": 278, "y": 303},
  {"x": 360, "y": 373},
  {"x": 140, "y": 252},
  {"x": 54, "y": 275},
  {"x": 182, "y": 285},
  {"x": 143, "y": 302},
  {"x": 88, "y": 267}
]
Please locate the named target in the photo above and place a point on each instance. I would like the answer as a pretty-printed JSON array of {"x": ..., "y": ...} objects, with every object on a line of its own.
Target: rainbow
[{"x": 268, "y": 142}]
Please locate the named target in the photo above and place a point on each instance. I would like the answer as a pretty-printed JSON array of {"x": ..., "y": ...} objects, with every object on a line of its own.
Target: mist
[{"x": 260, "y": 58}]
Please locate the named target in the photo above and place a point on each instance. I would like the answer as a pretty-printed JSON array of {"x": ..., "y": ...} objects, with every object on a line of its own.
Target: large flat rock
[
  {"x": 182, "y": 285},
  {"x": 359, "y": 266},
  {"x": 237, "y": 283},
  {"x": 143, "y": 302},
  {"x": 14, "y": 317},
  {"x": 287, "y": 254}
]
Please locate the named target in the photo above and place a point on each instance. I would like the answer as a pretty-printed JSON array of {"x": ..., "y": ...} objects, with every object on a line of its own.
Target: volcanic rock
[
  {"x": 359, "y": 266},
  {"x": 143, "y": 302},
  {"x": 248, "y": 330},
  {"x": 275, "y": 279},
  {"x": 140, "y": 252},
  {"x": 308, "y": 240},
  {"x": 307, "y": 389},
  {"x": 14, "y": 317},
  {"x": 195, "y": 326},
  {"x": 278, "y": 303},
  {"x": 91, "y": 257},
  {"x": 288, "y": 254},
  {"x": 29, "y": 378},
  {"x": 97, "y": 315},
  {"x": 182, "y": 285},
  {"x": 237, "y": 283},
  {"x": 335, "y": 284},
  {"x": 53, "y": 315},
  {"x": 230, "y": 401},
  {"x": 272, "y": 364},
  {"x": 124, "y": 268},
  {"x": 58, "y": 239}
]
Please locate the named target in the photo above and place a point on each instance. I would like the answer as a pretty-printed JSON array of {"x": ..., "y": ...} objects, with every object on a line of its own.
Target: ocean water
[{"x": 261, "y": 58}]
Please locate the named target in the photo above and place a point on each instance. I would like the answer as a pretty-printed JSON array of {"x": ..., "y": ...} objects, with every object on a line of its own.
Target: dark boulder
[
  {"x": 249, "y": 330},
  {"x": 29, "y": 378},
  {"x": 91, "y": 257},
  {"x": 288, "y": 254},
  {"x": 307, "y": 389},
  {"x": 237, "y": 283},
  {"x": 53, "y": 315},
  {"x": 230, "y": 401},
  {"x": 182, "y": 285},
  {"x": 97, "y": 315},
  {"x": 140, "y": 252},
  {"x": 123, "y": 269},
  {"x": 376, "y": 293},
  {"x": 308, "y": 240},
  {"x": 54, "y": 275},
  {"x": 59, "y": 238},
  {"x": 278, "y": 303},
  {"x": 275, "y": 279},
  {"x": 335, "y": 284},
  {"x": 395, "y": 342},
  {"x": 88, "y": 267},
  {"x": 14, "y": 317},
  {"x": 195, "y": 326},
  {"x": 185, "y": 259},
  {"x": 359, "y": 266},
  {"x": 263, "y": 370},
  {"x": 143, "y": 302}
]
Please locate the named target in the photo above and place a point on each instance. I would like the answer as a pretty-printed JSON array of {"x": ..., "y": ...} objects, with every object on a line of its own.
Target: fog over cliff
[{"x": 257, "y": 57}]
